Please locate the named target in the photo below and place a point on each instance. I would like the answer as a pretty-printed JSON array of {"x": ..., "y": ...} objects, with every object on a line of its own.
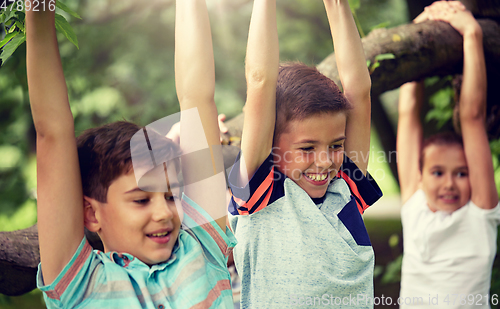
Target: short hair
[
  {"x": 104, "y": 155},
  {"x": 302, "y": 91},
  {"x": 440, "y": 139}
]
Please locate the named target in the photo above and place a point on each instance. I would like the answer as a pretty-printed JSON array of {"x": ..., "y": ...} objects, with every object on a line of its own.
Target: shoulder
[
  {"x": 74, "y": 280},
  {"x": 264, "y": 188},
  {"x": 416, "y": 203},
  {"x": 491, "y": 214},
  {"x": 363, "y": 187}
]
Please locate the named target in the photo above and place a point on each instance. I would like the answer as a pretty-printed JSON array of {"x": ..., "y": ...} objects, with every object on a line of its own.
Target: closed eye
[
  {"x": 142, "y": 201},
  {"x": 307, "y": 149}
]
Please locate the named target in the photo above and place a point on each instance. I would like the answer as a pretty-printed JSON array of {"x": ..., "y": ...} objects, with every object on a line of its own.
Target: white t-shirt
[{"x": 447, "y": 257}]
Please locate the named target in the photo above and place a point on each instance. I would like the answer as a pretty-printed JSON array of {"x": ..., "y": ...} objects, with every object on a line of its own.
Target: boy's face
[
  {"x": 311, "y": 151},
  {"x": 445, "y": 177},
  {"x": 144, "y": 224}
]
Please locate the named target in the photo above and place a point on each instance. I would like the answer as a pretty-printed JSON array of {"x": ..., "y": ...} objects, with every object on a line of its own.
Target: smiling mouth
[
  {"x": 449, "y": 198},
  {"x": 160, "y": 238},
  {"x": 317, "y": 179},
  {"x": 158, "y": 234}
]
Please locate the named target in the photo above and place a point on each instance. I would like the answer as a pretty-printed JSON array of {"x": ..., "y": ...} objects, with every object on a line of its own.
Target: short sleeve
[
  {"x": 68, "y": 289},
  {"x": 265, "y": 186},
  {"x": 219, "y": 244},
  {"x": 492, "y": 214},
  {"x": 364, "y": 188}
]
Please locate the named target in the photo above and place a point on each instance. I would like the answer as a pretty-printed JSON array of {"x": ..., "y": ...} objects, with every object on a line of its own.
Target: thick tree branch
[{"x": 421, "y": 50}]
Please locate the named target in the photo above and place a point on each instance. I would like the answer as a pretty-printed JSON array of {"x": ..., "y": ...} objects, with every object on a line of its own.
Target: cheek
[
  {"x": 464, "y": 186},
  {"x": 338, "y": 158},
  {"x": 428, "y": 186},
  {"x": 178, "y": 212}
]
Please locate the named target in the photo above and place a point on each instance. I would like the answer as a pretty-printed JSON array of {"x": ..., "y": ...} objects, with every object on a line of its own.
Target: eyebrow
[
  {"x": 150, "y": 189},
  {"x": 311, "y": 141},
  {"x": 442, "y": 167}
]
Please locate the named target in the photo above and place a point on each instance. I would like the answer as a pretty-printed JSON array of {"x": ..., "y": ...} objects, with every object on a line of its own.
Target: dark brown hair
[
  {"x": 104, "y": 155},
  {"x": 302, "y": 91},
  {"x": 440, "y": 139}
]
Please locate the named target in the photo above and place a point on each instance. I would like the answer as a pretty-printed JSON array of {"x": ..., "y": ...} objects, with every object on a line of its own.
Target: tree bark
[
  {"x": 421, "y": 50},
  {"x": 19, "y": 258}
]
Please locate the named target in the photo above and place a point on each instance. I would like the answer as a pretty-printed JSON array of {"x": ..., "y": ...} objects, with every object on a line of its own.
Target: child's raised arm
[
  {"x": 355, "y": 79},
  {"x": 60, "y": 199},
  {"x": 472, "y": 101},
  {"x": 195, "y": 84},
  {"x": 409, "y": 138},
  {"x": 261, "y": 70}
]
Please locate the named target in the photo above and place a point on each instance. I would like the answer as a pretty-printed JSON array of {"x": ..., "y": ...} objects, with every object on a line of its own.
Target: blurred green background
[{"x": 124, "y": 70}]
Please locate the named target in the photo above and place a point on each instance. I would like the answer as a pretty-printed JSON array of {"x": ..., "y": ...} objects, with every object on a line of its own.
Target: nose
[
  {"x": 162, "y": 211},
  {"x": 323, "y": 159},
  {"x": 449, "y": 181}
]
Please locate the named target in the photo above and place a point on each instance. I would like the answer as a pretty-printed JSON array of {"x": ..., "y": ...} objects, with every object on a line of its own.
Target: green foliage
[
  {"x": 66, "y": 9},
  {"x": 12, "y": 23},
  {"x": 441, "y": 101},
  {"x": 378, "y": 58},
  {"x": 63, "y": 26},
  {"x": 31, "y": 300},
  {"x": 393, "y": 271},
  {"x": 17, "y": 39}
]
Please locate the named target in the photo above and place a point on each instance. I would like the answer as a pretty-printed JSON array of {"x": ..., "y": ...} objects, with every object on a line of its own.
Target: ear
[
  {"x": 90, "y": 208},
  {"x": 420, "y": 180}
]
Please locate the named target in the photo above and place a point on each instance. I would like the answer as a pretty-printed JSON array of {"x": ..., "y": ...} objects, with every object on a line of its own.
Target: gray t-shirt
[{"x": 294, "y": 252}]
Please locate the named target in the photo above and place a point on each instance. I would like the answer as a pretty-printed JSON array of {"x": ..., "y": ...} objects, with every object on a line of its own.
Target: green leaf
[
  {"x": 63, "y": 26},
  {"x": 495, "y": 146},
  {"x": 430, "y": 81},
  {"x": 9, "y": 13},
  {"x": 374, "y": 66},
  {"x": 442, "y": 98},
  {"x": 66, "y": 9},
  {"x": 7, "y": 39},
  {"x": 354, "y": 4},
  {"x": 385, "y": 24},
  {"x": 20, "y": 25},
  {"x": 384, "y": 57},
  {"x": 433, "y": 114},
  {"x": 393, "y": 271},
  {"x": 368, "y": 62},
  {"x": 10, "y": 48}
]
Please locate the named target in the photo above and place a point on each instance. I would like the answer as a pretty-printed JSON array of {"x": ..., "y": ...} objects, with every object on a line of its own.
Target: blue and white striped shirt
[{"x": 195, "y": 276}]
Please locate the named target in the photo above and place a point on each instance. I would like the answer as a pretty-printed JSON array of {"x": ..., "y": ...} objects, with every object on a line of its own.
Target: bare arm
[
  {"x": 261, "y": 69},
  {"x": 472, "y": 102},
  {"x": 195, "y": 84},
  {"x": 60, "y": 200},
  {"x": 409, "y": 138},
  {"x": 355, "y": 79}
]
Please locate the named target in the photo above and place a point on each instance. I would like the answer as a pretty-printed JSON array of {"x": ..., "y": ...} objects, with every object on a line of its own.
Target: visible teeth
[
  {"x": 159, "y": 234},
  {"x": 317, "y": 177}
]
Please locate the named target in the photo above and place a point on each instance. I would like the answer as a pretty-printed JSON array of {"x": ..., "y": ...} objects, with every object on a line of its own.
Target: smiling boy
[
  {"x": 296, "y": 202},
  {"x": 127, "y": 191},
  {"x": 450, "y": 210}
]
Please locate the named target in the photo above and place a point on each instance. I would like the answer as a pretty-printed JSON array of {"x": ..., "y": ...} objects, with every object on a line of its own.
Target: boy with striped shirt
[{"x": 120, "y": 180}]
